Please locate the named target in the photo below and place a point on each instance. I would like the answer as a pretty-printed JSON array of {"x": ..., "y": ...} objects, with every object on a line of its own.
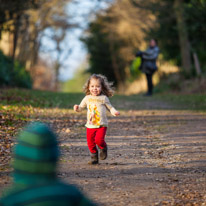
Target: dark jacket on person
[{"x": 149, "y": 58}]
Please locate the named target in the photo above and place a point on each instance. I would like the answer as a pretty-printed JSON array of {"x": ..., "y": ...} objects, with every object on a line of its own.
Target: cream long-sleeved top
[{"x": 96, "y": 110}]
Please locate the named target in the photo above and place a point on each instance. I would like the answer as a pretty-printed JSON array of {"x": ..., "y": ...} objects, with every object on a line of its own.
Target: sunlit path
[
  {"x": 155, "y": 158},
  {"x": 156, "y": 146}
]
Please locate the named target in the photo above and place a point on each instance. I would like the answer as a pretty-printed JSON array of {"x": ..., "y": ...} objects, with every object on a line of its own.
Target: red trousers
[{"x": 96, "y": 136}]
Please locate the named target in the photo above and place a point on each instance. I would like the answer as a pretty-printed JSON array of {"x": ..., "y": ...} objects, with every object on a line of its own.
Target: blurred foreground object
[{"x": 35, "y": 179}]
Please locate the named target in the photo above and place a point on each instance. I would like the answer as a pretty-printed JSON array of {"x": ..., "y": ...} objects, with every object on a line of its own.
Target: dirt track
[{"x": 156, "y": 157}]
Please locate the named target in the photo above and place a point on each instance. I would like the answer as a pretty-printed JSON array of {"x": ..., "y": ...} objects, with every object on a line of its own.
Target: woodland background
[
  {"x": 159, "y": 152},
  {"x": 112, "y": 39}
]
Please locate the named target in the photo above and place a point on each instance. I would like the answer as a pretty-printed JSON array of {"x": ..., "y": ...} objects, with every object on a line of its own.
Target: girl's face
[{"x": 95, "y": 87}]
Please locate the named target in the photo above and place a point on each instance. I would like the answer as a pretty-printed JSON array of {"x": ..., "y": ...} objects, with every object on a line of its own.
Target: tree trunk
[
  {"x": 197, "y": 63},
  {"x": 57, "y": 68},
  {"x": 16, "y": 34},
  {"x": 183, "y": 35}
]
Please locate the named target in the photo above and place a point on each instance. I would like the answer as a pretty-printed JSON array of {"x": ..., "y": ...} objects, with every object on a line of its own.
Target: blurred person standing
[
  {"x": 35, "y": 179},
  {"x": 148, "y": 65}
]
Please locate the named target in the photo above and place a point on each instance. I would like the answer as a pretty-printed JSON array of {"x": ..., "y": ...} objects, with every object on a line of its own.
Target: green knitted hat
[{"x": 35, "y": 155}]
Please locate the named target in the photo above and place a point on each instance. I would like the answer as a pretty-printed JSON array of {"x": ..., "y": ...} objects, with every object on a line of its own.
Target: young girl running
[{"x": 97, "y": 90}]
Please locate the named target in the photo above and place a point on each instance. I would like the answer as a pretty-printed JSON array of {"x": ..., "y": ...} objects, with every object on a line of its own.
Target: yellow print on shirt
[
  {"x": 94, "y": 115},
  {"x": 95, "y": 100}
]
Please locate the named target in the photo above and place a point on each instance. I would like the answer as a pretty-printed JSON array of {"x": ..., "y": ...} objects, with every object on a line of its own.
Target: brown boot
[
  {"x": 94, "y": 159},
  {"x": 103, "y": 153}
]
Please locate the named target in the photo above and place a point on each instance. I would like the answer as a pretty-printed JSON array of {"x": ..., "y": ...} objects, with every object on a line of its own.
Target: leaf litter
[{"x": 155, "y": 157}]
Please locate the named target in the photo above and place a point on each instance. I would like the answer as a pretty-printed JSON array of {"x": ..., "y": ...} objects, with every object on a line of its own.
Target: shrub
[{"x": 13, "y": 73}]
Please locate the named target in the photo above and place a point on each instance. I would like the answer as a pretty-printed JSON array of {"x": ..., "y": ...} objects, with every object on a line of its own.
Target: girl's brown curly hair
[{"x": 107, "y": 88}]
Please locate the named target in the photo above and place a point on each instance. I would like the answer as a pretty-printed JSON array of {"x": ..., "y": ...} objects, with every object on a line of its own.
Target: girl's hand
[
  {"x": 117, "y": 113},
  {"x": 114, "y": 112},
  {"x": 76, "y": 108}
]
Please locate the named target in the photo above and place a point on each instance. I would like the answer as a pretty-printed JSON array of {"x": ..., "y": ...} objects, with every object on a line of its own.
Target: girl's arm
[
  {"x": 79, "y": 108},
  {"x": 113, "y": 111}
]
